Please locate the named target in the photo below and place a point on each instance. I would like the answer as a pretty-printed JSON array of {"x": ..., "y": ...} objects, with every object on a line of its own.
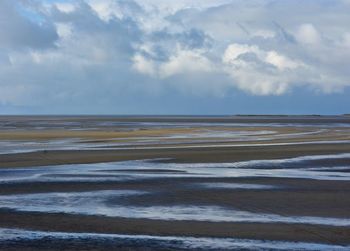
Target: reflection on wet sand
[
  {"x": 96, "y": 203},
  {"x": 38, "y": 135},
  {"x": 125, "y": 203},
  {"x": 225, "y": 184},
  {"x": 9, "y": 239},
  {"x": 299, "y": 167}
]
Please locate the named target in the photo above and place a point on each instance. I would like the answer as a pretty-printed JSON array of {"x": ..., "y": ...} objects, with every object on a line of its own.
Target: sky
[{"x": 174, "y": 57}]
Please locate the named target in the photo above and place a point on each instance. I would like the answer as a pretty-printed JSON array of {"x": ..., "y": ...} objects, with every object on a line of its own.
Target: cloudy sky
[{"x": 174, "y": 57}]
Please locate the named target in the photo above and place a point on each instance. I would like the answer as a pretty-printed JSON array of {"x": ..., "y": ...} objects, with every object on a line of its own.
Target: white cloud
[
  {"x": 106, "y": 9},
  {"x": 167, "y": 8},
  {"x": 308, "y": 34},
  {"x": 143, "y": 65},
  {"x": 98, "y": 47},
  {"x": 65, "y": 7},
  {"x": 234, "y": 51},
  {"x": 64, "y": 30},
  {"x": 257, "y": 71},
  {"x": 280, "y": 61},
  {"x": 182, "y": 61},
  {"x": 185, "y": 61},
  {"x": 266, "y": 34}
]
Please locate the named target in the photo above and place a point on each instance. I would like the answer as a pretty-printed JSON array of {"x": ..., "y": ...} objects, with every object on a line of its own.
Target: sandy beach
[{"x": 271, "y": 179}]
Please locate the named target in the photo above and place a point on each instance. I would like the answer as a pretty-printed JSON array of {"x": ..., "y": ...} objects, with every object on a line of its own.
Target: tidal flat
[{"x": 174, "y": 183}]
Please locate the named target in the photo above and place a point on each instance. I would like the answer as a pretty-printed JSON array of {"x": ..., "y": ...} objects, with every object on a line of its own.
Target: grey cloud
[
  {"x": 282, "y": 34},
  {"x": 118, "y": 33},
  {"x": 18, "y": 31},
  {"x": 134, "y": 50}
]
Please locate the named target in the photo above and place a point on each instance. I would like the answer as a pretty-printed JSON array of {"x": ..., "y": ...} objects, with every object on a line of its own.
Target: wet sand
[
  {"x": 297, "y": 197},
  {"x": 95, "y": 224},
  {"x": 184, "y": 175},
  {"x": 202, "y": 155}
]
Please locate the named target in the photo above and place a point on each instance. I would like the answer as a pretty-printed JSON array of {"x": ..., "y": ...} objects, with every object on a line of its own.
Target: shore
[
  {"x": 289, "y": 199},
  {"x": 195, "y": 155}
]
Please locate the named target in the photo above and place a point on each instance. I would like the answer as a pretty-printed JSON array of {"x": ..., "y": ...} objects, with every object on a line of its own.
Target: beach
[{"x": 175, "y": 183}]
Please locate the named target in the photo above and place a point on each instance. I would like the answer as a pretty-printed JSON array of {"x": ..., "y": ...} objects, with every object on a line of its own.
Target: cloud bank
[{"x": 97, "y": 51}]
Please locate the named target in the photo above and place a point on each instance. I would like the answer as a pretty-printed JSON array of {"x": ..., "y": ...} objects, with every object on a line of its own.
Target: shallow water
[
  {"x": 116, "y": 203},
  {"x": 16, "y": 237},
  {"x": 224, "y": 185},
  {"x": 98, "y": 202},
  {"x": 118, "y": 171},
  {"x": 200, "y": 135},
  {"x": 13, "y": 147},
  {"x": 136, "y": 184}
]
